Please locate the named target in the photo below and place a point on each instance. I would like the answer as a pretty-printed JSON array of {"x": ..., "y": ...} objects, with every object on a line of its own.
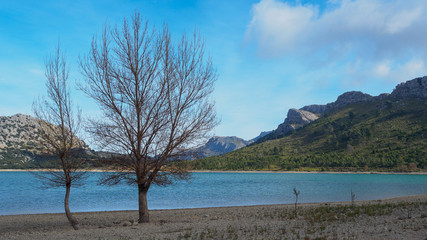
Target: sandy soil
[{"x": 397, "y": 218}]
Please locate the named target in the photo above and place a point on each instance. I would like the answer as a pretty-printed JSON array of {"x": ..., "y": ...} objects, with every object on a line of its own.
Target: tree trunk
[
  {"x": 143, "y": 208},
  {"x": 73, "y": 221}
]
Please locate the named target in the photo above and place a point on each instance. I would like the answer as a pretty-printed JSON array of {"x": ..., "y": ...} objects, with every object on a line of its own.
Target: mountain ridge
[
  {"x": 218, "y": 145},
  {"x": 357, "y": 131},
  {"x": 19, "y": 142},
  {"x": 412, "y": 88}
]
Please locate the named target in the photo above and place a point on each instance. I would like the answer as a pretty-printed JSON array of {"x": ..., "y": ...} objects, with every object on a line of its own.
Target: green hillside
[{"x": 369, "y": 136}]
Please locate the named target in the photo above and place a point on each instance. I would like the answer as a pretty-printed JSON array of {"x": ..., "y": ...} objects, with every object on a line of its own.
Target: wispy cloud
[{"x": 376, "y": 37}]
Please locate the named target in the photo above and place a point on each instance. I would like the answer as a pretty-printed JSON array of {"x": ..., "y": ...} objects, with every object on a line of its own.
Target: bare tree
[
  {"x": 353, "y": 197},
  {"x": 154, "y": 96},
  {"x": 296, "y": 193},
  {"x": 58, "y": 125}
]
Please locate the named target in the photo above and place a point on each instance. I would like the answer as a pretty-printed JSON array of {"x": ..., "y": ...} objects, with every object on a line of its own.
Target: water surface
[{"x": 20, "y": 192}]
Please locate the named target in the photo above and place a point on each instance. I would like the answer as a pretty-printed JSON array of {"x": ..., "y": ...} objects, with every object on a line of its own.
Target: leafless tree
[
  {"x": 296, "y": 193},
  {"x": 58, "y": 125},
  {"x": 353, "y": 197},
  {"x": 154, "y": 94}
]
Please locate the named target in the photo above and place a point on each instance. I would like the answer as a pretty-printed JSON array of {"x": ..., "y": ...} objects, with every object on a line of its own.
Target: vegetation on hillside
[
  {"x": 375, "y": 136},
  {"x": 382, "y": 135},
  {"x": 22, "y": 159}
]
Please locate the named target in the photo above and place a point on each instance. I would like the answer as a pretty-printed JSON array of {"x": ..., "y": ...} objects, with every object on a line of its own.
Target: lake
[{"x": 20, "y": 192}]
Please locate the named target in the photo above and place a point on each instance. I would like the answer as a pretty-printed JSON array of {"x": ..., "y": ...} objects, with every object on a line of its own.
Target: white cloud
[
  {"x": 382, "y": 69},
  {"x": 414, "y": 67},
  {"x": 279, "y": 25},
  {"x": 403, "y": 20},
  {"x": 400, "y": 72},
  {"x": 376, "y": 37},
  {"x": 409, "y": 70}
]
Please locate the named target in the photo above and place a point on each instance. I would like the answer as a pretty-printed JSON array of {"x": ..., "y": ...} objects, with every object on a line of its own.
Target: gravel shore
[{"x": 397, "y": 218}]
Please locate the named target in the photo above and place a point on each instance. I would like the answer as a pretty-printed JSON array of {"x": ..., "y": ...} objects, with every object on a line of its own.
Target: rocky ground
[{"x": 398, "y": 218}]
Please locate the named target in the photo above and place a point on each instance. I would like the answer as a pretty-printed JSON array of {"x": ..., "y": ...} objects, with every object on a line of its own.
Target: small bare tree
[
  {"x": 58, "y": 125},
  {"x": 353, "y": 197},
  {"x": 296, "y": 193},
  {"x": 154, "y": 96}
]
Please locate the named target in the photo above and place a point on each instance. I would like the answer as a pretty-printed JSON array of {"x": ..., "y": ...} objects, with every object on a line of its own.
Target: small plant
[
  {"x": 296, "y": 193},
  {"x": 353, "y": 197},
  {"x": 409, "y": 212}
]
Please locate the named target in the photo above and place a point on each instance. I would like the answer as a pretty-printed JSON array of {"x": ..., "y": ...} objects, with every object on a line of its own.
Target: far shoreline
[
  {"x": 327, "y": 172},
  {"x": 236, "y": 171}
]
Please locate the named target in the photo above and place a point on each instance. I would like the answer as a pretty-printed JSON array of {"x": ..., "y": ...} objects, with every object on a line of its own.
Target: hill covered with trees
[{"x": 383, "y": 133}]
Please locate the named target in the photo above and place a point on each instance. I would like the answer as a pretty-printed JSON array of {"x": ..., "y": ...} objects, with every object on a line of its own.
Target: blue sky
[{"x": 271, "y": 55}]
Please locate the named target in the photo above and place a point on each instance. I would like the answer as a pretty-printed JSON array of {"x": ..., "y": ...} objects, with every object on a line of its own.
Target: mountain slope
[
  {"x": 20, "y": 142},
  {"x": 19, "y": 132},
  {"x": 387, "y": 132}
]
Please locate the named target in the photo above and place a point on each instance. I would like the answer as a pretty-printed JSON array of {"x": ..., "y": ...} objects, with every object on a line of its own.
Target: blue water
[{"x": 20, "y": 192}]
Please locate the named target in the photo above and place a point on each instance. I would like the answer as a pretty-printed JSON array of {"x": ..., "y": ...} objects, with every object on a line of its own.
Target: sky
[{"x": 271, "y": 55}]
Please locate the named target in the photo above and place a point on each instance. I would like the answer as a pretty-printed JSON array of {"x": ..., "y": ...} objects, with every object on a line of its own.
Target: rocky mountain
[
  {"x": 298, "y": 118},
  {"x": 220, "y": 145},
  {"x": 20, "y": 141},
  {"x": 356, "y": 132},
  {"x": 348, "y": 98},
  {"x": 416, "y": 88},
  {"x": 315, "y": 108},
  {"x": 19, "y": 132}
]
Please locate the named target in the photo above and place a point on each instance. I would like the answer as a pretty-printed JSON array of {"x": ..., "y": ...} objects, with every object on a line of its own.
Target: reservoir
[{"x": 22, "y": 193}]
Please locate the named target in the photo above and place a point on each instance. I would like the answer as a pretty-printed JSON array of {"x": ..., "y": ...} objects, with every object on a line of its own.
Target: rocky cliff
[
  {"x": 348, "y": 98},
  {"x": 342, "y": 101},
  {"x": 19, "y": 132},
  {"x": 315, "y": 108},
  {"x": 20, "y": 141},
  {"x": 299, "y": 118},
  {"x": 416, "y": 88},
  {"x": 296, "y": 118}
]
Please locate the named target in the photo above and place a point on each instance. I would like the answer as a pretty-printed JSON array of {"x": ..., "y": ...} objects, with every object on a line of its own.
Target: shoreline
[
  {"x": 234, "y": 171},
  {"x": 309, "y": 204},
  {"x": 392, "y": 218},
  {"x": 328, "y": 172}
]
